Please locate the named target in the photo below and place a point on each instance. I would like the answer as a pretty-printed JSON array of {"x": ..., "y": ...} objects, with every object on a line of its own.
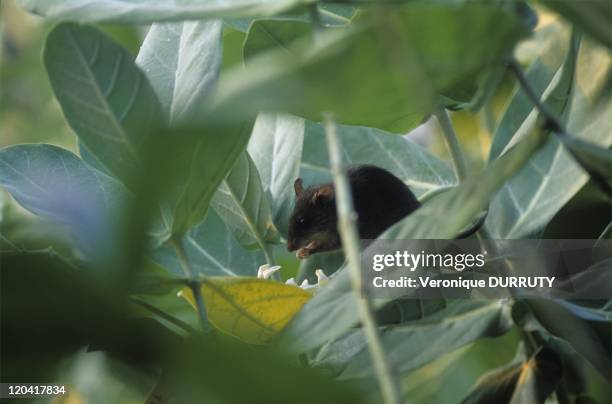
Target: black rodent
[{"x": 380, "y": 199}]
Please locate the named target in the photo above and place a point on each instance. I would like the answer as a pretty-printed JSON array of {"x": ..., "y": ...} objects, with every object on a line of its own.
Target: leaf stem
[
  {"x": 193, "y": 283},
  {"x": 160, "y": 313},
  {"x": 452, "y": 143},
  {"x": 350, "y": 243},
  {"x": 551, "y": 121}
]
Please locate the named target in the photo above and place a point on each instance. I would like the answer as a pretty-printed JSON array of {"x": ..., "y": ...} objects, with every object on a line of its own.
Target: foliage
[{"x": 182, "y": 181}]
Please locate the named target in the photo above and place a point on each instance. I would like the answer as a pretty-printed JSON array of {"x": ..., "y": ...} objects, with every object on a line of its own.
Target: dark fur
[{"x": 380, "y": 200}]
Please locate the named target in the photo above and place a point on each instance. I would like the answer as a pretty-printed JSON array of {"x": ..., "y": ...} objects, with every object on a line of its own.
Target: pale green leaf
[
  {"x": 520, "y": 114},
  {"x": 212, "y": 251},
  {"x": 105, "y": 98},
  {"x": 182, "y": 61},
  {"x": 55, "y": 184},
  {"x": 242, "y": 204},
  {"x": 276, "y": 149}
]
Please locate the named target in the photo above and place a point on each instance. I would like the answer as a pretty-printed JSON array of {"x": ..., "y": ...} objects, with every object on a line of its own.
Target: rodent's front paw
[
  {"x": 302, "y": 253},
  {"x": 305, "y": 251}
]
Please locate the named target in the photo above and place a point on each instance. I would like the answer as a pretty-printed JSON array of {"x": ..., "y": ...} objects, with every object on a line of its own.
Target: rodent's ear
[
  {"x": 298, "y": 187},
  {"x": 324, "y": 193}
]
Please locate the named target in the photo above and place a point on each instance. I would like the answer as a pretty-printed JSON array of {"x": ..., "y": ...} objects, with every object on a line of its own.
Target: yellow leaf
[{"x": 250, "y": 309}]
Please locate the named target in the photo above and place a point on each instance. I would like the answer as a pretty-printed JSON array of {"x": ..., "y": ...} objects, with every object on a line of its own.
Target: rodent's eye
[{"x": 302, "y": 220}]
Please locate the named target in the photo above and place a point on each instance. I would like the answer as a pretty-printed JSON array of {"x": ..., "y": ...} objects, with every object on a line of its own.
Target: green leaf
[
  {"x": 242, "y": 204},
  {"x": 146, "y": 11},
  {"x": 106, "y": 99},
  {"x": 528, "y": 202},
  {"x": 400, "y": 78},
  {"x": 541, "y": 73},
  {"x": 414, "y": 344},
  {"x": 53, "y": 183},
  {"x": 328, "y": 315},
  {"x": 216, "y": 147},
  {"x": 212, "y": 251},
  {"x": 276, "y": 149},
  {"x": 594, "y": 17},
  {"x": 252, "y": 310},
  {"x": 182, "y": 61},
  {"x": 330, "y": 15},
  {"x": 267, "y": 35}
]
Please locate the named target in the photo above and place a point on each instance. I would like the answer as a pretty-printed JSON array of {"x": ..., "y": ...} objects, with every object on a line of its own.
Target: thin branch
[
  {"x": 551, "y": 121},
  {"x": 350, "y": 243},
  {"x": 193, "y": 284},
  {"x": 160, "y": 313},
  {"x": 452, "y": 143}
]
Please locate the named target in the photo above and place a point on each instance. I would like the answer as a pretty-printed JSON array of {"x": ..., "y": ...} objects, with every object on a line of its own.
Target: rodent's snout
[{"x": 291, "y": 246}]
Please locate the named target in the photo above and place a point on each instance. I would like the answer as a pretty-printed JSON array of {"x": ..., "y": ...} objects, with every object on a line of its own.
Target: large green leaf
[
  {"x": 276, "y": 148},
  {"x": 528, "y": 202},
  {"x": 330, "y": 15},
  {"x": 182, "y": 62},
  {"x": 591, "y": 16},
  {"x": 242, "y": 204},
  {"x": 212, "y": 251},
  {"x": 266, "y": 35},
  {"x": 437, "y": 53},
  {"x": 553, "y": 43},
  {"x": 413, "y": 345},
  {"x": 148, "y": 11},
  {"x": 56, "y": 185},
  {"x": 106, "y": 99}
]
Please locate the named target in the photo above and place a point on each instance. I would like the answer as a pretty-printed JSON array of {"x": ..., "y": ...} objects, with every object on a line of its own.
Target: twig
[
  {"x": 193, "y": 284},
  {"x": 350, "y": 243},
  {"x": 160, "y": 313},
  {"x": 551, "y": 121},
  {"x": 451, "y": 141}
]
